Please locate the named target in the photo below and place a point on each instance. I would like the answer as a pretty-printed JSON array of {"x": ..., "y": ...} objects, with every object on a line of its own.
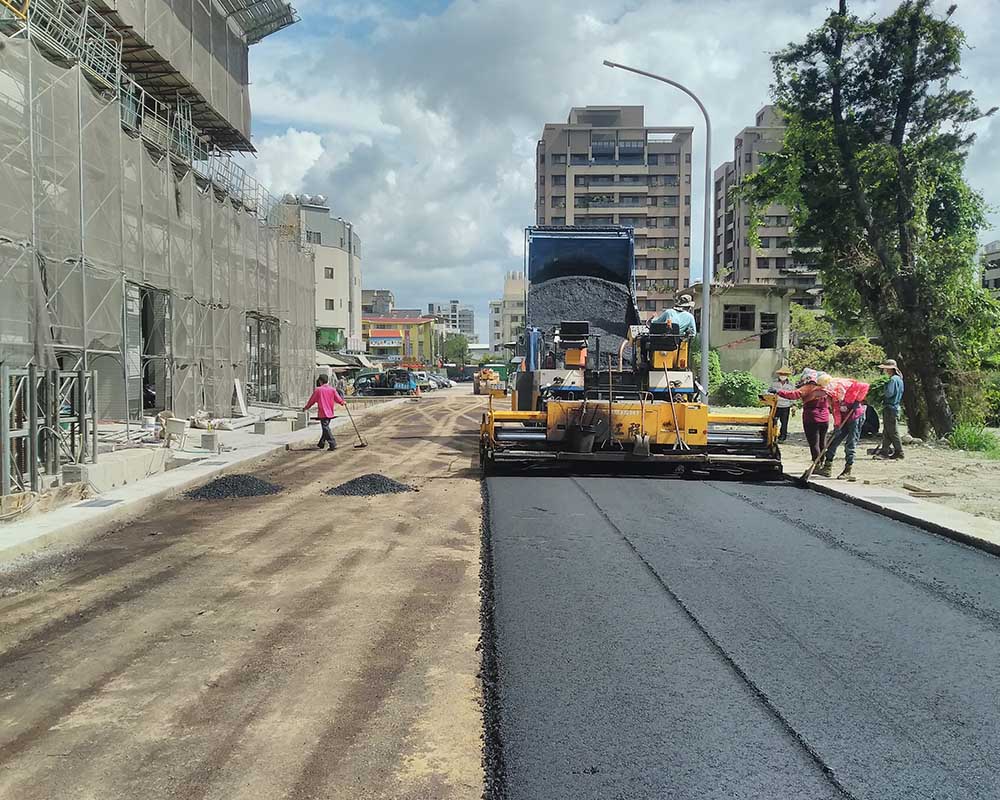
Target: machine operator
[{"x": 681, "y": 315}]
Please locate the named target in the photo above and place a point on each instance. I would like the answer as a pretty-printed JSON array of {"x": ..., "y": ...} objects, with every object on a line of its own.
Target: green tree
[
  {"x": 456, "y": 349},
  {"x": 809, "y": 328},
  {"x": 872, "y": 169}
]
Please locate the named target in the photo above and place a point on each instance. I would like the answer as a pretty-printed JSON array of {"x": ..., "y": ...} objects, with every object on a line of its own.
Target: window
[
  {"x": 653, "y": 159},
  {"x": 746, "y": 261},
  {"x": 746, "y": 220},
  {"x": 765, "y": 242},
  {"x": 687, "y": 158},
  {"x": 578, "y": 158},
  {"x": 671, "y": 158},
  {"x": 780, "y": 262},
  {"x": 558, "y": 180},
  {"x": 687, "y": 222},
  {"x": 558, "y": 158},
  {"x": 687, "y": 241},
  {"x": 559, "y": 201},
  {"x": 330, "y": 304},
  {"x": 541, "y": 180},
  {"x": 559, "y": 220},
  {"x": 768, "y": 331},
  {"x": 687, "y": 264},
  {"x": 580, "y": 180},
  {"x": 314, "y": 237},
  {"x": 763, "y": 263},
  {"x": 687, "y": 199},
  {"x": 328, "y": 273},
  {"x": 748, "y": 158},
  {"x": 738, "y": 318},
  {"x": 669, "y": 263},
  {"x": 671, "y": 200},
  {"x": 783, "y": 242}
]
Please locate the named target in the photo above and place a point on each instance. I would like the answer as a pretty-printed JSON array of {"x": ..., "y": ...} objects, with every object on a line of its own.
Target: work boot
[
  {"x": 826, "y": 470},
  {"x": 846, "y": 475},
  {"x": 897, "y": 456},
  {"x": 875, "y": 451}
]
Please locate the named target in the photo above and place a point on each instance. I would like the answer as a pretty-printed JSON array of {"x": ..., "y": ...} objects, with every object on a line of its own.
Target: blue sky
[{"x": 419, "y": 119}]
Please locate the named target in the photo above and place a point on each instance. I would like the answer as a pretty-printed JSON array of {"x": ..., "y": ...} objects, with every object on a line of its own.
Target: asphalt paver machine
[{"x": 605, "y": 387}]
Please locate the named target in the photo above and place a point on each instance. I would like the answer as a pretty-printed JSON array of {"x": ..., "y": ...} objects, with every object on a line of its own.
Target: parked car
[{"x": 423, "y": 380}]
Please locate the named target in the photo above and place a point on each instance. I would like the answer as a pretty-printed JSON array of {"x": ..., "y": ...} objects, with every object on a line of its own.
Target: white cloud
[{"x": 421, "y": 128}]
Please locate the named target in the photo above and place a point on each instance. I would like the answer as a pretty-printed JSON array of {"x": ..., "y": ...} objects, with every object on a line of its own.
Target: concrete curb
[
  {"x": 960, "y": 527},
  {"x": 72, "y": 525}
]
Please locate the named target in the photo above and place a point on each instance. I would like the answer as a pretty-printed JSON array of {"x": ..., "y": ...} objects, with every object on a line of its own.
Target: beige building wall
[
  {"x": 507, "y": 313},
  {"x": 749, "y": 326},
  {"x": 605, "y": 166},
  {"x": 776, "y": 260}
]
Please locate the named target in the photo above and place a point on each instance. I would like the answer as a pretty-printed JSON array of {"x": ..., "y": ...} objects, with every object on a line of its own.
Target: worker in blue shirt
[
  {"x": 892, "y": 446},
  {"x": 681, "y": 315}
]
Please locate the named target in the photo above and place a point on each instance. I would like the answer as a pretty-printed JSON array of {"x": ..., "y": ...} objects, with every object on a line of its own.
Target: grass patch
[{"x": 975, "y": 439}]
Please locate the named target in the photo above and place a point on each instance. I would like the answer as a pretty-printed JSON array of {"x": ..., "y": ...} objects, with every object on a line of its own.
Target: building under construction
[{"x": 141, "y": 269}]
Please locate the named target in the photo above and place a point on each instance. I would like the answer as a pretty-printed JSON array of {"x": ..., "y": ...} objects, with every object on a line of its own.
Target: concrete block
[
  {"x": 210, "y": 442},
  {"x": 299, "y": 424},
  {"x": 117, "y": 469},
  {"x": 260, "y": 428}
]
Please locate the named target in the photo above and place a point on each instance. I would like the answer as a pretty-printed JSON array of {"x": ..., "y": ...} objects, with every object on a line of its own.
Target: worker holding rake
[{"x": 325, "y": 398}]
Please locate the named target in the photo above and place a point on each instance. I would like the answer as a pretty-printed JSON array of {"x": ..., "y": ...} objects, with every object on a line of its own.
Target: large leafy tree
[{"x": 872, "y": 168}]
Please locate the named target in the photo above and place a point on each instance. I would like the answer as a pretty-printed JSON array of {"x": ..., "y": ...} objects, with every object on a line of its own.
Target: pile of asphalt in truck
[{"x": 604, "y": 304}]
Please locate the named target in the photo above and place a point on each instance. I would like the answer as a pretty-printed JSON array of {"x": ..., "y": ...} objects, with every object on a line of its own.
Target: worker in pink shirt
[{"x": 325, "y": 398}]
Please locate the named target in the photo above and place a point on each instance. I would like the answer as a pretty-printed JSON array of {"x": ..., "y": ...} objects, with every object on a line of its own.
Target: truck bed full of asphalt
[
  {"x": 684, "y": 639},
  {"x": 604, "y": 304}
]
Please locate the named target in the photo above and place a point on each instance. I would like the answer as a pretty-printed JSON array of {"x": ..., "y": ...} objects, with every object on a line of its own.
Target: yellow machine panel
[{"x": 630, "y": 420}]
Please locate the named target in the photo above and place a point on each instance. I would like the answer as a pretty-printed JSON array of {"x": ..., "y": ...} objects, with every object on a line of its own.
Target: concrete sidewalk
[
  {"x": 72, "y": 524},
  {"x": 978, "y": 532}
]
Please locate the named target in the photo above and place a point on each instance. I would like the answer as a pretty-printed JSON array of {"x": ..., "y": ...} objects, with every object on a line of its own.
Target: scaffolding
[{"x": 131, "y": 249}]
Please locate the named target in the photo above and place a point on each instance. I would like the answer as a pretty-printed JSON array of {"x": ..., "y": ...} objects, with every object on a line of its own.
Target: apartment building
[
  {"x": 991, "y": 268},
  {"x": 507, "y": 313},
  {"x": 457, "y": 317},
  {"x": 605, "y": 166},
  {"x": 336, "y": 248},
  {"x": 776, "y": 260},
  {"x": 406, "y": 339}
]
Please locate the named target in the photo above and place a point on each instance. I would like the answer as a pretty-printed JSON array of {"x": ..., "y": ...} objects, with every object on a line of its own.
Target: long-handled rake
[{"x": 361, "y": 439}]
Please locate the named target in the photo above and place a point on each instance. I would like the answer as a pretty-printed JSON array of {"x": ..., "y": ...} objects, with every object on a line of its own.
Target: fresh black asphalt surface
[{"x": 686, "y": 639}]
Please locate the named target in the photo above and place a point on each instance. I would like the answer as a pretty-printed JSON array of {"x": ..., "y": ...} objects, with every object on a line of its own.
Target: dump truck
[{"x": 597, "y": 384}]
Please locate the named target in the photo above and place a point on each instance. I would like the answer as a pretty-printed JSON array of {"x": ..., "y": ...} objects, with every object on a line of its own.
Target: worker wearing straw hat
[
  {"x": 784, "y": 404},
  {"x": 892, "y": 446}
]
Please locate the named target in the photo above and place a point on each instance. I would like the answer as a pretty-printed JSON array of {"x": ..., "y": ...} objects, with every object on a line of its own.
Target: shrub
[
  {"x": 739, "y": 389},
  {"x": 974, "y": 438},
  {"x": 991, "y": 397},
  {"x": 714, "y": 365}
]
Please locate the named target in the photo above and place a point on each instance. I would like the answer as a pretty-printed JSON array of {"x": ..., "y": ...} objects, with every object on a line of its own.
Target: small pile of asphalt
[
  {"x": 231, "y": 486},
  {"x": 602, "y": 303},
  {"x": 368, "y": 486}
]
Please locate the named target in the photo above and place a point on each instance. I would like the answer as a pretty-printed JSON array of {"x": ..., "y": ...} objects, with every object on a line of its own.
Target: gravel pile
[
  {"x": 230, "y": 486},
  {"x": 369, "y": 485},
  {"x": 605, "y": 305}
]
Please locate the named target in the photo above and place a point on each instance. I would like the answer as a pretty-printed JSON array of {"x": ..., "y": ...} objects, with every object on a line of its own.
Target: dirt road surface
[{"x": 293, "y": 646}]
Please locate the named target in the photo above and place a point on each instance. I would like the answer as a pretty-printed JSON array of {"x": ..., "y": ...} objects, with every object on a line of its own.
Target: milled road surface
[
  {"x": 292, "y": 646},
  {"x": 684, "y": 639}
]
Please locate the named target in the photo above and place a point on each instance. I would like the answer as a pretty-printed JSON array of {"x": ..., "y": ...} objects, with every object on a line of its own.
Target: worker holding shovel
[
  {"x": 849, "y": 411},
  {"x": 325, "y": 398}
]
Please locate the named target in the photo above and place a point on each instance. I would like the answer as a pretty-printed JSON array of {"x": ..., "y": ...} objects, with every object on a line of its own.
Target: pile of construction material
[
  {"x": 229, "y": 487},
  {"x": 368, "y": 486}
]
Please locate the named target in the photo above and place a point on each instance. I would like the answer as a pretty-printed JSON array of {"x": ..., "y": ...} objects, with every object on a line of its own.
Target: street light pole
[{"x": 707, "y": 266}]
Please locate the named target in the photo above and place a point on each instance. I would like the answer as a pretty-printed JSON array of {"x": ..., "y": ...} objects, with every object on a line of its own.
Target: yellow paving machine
[{"x": 610, "y": 391}]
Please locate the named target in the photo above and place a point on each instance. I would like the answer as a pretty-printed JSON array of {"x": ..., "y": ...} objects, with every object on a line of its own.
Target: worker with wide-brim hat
[
  {"x": 784, "y": 406},
  {"x": 680, "y": 315},
  {"x": 892, "y": 445}
]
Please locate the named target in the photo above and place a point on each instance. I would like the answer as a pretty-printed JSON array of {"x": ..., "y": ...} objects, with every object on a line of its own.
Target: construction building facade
[
  {"x": 775, "y": 259},
  {"x": 605, "y": 166},
  {"x": 141, "y": 269}
]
